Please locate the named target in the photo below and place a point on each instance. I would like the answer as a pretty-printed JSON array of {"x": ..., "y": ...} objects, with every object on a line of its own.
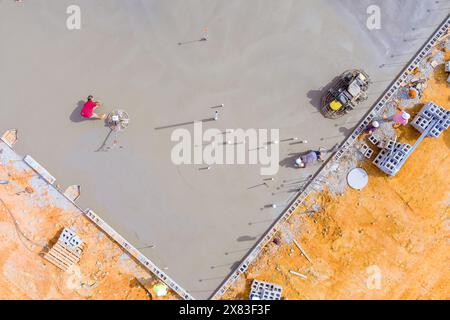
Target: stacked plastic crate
[
  {"x": 391, "y": 158},
  {"x": 366, "y": 151},
  {"x": 265, "y": 291},
  {"x": 67, "y": 251},
  {"x": 426, "y": 116},
  {"x": 431, "y": 121}
]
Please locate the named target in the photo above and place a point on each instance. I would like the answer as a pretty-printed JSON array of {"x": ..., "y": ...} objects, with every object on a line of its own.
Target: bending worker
[
  {"x": 371, "y": 128},
  {"x": 89, "y": 107},
  {"x": 308, "y": 159},
  {"x": 400, "y": 119}
]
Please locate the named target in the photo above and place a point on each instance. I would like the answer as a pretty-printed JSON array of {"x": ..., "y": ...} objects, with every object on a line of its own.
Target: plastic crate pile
[
  {"x": 392, "y": 156},
  {"x": 265, "y": 291},
  {"x": 366, "y": 151},
  {"x": 426, "y": 116},
  {"x": 431, "y": 120},
  {"x": 67, "y": 250}
]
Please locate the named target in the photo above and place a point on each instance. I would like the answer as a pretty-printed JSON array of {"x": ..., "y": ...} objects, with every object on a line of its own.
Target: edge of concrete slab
[
  {"x": 102, "y": 225},
  {"x": 441, "y": 31}
]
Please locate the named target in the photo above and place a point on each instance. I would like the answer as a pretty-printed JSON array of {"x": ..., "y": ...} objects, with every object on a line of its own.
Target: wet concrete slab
[{"x": 266, "y": 61}]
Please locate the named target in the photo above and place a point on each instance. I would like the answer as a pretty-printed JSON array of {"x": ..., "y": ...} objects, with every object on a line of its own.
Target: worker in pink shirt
[
  {"x": 88, "y": 109},
  {"x": 400, "y": 119}
]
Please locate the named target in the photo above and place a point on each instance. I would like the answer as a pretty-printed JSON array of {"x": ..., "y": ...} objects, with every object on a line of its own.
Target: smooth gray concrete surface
[{"x": 266, "y": 60}]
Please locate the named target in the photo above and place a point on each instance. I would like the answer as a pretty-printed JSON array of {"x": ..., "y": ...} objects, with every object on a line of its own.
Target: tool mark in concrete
[{"x": 183, "y": 124}]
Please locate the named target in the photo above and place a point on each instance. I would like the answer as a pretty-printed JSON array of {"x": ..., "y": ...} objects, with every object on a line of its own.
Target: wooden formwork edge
[
  {"x": 128, "y": 248},
  {"x": 149, "y": 265}
]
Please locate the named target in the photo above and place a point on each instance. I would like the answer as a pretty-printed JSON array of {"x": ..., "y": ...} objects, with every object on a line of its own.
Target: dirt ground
[
  {"x": 389, "y": 241},
  {"x": 30, "y": 221}
]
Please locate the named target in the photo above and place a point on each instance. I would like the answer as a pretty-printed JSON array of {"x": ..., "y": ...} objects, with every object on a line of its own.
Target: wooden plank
[
  {"x": 302, "y": 251},
  {"x": 55, "y": 262},
  {"x": 298, "y": 274},
  {"x": 68, "y": 251},
  {"x": 39, "y": 169},
  {"x": 70, "y": 255},
  {"x": 73, "y": 259},
  {"x": 60, "y": 257}
]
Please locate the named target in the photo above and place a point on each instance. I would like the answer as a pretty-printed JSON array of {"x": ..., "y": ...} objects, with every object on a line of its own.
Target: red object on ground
[{"x": 88, "y": 109}]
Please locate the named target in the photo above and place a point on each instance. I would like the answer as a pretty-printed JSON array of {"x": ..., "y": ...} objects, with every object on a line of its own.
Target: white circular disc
[{"x": 358, "y": 178}]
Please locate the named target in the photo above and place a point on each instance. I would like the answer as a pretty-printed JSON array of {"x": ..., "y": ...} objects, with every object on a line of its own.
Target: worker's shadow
[
  {"x": 75, "y": 115},
  {"x": 315, "y": 97},
  {"x": 346, "y": 132},
  {"x": 106, "y": 144}
]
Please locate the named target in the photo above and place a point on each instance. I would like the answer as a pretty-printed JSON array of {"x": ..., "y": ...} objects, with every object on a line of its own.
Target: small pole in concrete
[{"x": 205, "y": 35}]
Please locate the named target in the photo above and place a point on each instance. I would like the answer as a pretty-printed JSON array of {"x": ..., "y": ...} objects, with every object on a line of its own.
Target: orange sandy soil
[
  {"x": 104, "y": 272},
  {"x": 389, "y": 241}
]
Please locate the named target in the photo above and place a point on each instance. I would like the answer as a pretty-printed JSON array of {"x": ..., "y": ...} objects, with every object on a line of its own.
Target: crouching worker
[
  {"x": 308, "y": 159},
  {"x": 371, "y": 128},
  {"x": 89, "y": 107},
  {"x": 400, "y": 119}
]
